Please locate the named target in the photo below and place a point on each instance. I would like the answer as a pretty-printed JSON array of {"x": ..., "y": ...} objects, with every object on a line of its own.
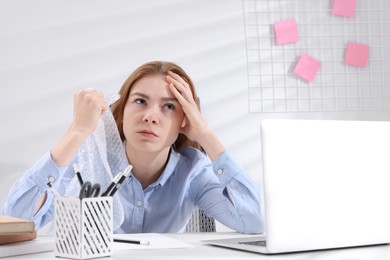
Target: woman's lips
[{"x": 147, "y": 132}]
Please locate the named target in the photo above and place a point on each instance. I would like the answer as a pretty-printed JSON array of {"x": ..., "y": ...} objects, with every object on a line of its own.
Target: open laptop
[{"x": 326, "y": 185}]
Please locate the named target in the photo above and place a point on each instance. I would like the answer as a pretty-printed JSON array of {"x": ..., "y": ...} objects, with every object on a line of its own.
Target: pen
[
  {"x": 77, "y": 171},
  {"x": 54, "y": 190},
  {"x": 116, "y": 179},
  {"x": 112, "y": 184},
  {"x": 122, "y": 178},
  {"x": 138, "y": 242}
]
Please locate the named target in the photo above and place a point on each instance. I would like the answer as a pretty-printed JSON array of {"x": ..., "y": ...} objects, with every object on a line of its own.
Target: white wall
[{"x": 49, "y": 49}]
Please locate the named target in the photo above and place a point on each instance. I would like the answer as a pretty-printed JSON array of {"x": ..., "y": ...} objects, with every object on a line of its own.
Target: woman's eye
[
  {"x": 139, "y": 101},
  {"x": 169, "y": 106}
]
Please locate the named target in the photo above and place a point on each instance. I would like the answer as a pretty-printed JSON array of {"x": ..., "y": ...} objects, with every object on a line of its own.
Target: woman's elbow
[{"x": 255, "y": 225}]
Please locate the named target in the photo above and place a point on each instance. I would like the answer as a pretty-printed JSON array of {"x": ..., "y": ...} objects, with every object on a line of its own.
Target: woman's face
[{"x": 152, "y": 116}]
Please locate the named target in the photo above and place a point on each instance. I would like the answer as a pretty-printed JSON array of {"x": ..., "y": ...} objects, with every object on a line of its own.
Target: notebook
[{"x": 326, "y": 185}]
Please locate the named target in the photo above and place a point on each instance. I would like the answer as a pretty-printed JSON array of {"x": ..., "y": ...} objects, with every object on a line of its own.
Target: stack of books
[{"x": 16, "y": 230}]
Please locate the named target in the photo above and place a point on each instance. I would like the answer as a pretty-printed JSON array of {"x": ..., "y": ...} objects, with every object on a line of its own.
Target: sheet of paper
[
  {"x": 157, "y": 241},
  {"x": 307, "y": 67},
  {"x": 38, "y": 245},
  {"x": 356, "y": 54},
  {"x": 286, "y": 31},
  {"x": 344, "y": 8}
]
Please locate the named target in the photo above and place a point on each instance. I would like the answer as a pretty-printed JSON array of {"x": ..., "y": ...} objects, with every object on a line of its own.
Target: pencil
[{"x": 129, "y": 241}]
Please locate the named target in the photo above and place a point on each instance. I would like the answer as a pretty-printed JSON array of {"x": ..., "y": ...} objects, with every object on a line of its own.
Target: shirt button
[
  {"x": 139, "y": 203},
  {"x": 51, "y": 179},
  {"x": 220, "y": 171}
]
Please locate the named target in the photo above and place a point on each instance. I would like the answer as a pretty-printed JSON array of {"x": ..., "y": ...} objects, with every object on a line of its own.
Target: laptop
[{"x": 326, "y": 185}]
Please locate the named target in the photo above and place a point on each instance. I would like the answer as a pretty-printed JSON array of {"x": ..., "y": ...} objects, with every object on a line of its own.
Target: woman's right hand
[{"x": 89, "y": 105}]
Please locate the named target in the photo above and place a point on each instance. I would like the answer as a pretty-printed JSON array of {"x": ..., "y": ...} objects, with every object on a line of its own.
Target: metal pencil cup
[{"x": 83, "y": 228}]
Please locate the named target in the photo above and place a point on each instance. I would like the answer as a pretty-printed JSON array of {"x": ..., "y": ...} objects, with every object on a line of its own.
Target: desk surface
[{"x": 205, "y": 252}]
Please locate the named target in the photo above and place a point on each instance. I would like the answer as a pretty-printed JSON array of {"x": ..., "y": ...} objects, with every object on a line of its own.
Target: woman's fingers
[
  {"x": 89, "y": 105},
  {"x": 91, "y": 98},
  {"x": 195, "y": 126},
  {"x": 177, "y": 94},
  {"x": 181, "y": 85}
]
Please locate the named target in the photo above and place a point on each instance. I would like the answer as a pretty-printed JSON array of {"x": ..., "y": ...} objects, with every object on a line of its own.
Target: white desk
[{"x": 201, "y": 251}]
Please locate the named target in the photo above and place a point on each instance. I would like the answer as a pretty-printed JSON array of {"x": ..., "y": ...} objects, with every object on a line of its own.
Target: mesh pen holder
[{"x": 83, "y": 228}]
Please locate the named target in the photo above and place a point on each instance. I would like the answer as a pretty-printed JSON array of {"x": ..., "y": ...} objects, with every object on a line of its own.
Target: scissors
[{"x": 88, "y": 190}]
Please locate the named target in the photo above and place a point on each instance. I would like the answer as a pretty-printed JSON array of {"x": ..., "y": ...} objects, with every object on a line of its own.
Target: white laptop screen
[{"x": 326, "y": 183}]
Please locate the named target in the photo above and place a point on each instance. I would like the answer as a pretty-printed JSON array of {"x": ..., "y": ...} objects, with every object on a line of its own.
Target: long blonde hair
[{"x": 147, "y": 69}]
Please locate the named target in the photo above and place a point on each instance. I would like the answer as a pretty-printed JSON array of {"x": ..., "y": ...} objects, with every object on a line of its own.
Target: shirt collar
[{"x": 169, "y": 168}]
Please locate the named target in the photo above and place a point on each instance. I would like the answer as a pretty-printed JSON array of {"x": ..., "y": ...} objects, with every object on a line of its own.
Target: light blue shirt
[{"x": 189, "y": 180}]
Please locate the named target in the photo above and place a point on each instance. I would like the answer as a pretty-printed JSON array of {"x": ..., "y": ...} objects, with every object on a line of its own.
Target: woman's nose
[{"x": 151, "y": 116}]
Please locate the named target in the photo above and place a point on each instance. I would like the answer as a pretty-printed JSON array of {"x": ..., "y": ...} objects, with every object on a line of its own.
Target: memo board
[{"x": 275, "y": 86}]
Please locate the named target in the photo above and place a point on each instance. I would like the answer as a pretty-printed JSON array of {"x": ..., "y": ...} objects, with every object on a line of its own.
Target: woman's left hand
[{"x": 196, "y": 127}]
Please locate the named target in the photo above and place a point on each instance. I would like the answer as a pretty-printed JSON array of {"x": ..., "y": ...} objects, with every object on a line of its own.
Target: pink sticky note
[
  {"x": 286, "y": 31},
  {"x": 344, "y": 7},
  {"x": 356, "y": 54},
  {"x": 307, "y": 67}
]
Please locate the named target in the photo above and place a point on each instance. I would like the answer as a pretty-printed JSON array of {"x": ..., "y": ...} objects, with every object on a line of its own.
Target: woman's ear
[{"x": 184, "y": 123}]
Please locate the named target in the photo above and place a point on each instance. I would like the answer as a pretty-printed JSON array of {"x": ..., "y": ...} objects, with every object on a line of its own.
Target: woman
[{"x": 163, "y": 132}]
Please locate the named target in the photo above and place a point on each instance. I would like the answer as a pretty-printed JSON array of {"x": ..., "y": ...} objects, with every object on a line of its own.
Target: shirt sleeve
[
  {"x": 229, "y": 195},
  {"x": 28, "y": 189}
]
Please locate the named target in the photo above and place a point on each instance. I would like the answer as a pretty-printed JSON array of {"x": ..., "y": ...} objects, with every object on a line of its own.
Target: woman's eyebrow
[
  {"x": 169, "y": 99},
  {"x": 164, "y": 99},
  {"x": 140, "y": 94}
]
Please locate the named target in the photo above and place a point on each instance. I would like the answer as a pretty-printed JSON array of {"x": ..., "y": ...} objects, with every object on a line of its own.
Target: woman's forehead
[{"x": 152, "y": 85}]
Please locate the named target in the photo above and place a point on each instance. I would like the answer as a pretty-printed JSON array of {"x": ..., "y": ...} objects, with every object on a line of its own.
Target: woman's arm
[
  {"x": 89, "y": 105},
  {"x": 225, "y": 192},
  {"x": 196, "y": 127},
  {"x": 28, "y": 198},
  {"x": 25, "y": 198}
]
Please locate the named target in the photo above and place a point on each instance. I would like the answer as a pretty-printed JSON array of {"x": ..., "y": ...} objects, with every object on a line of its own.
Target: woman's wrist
[
  {"x": 212, "y": 145},
  {"x": 65, "y": 149}
]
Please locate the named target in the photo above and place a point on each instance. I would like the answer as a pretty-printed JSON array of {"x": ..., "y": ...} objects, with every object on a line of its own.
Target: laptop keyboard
[{"x": 255, "y": 243}]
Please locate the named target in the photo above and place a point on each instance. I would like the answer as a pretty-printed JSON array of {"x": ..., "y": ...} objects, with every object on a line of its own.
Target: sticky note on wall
[
  {"x": 286, "y": 31},
  {"x": 307, "y": 67},
  {"x": 344, "y": 8},
  {"x": 356, "y": 54}
]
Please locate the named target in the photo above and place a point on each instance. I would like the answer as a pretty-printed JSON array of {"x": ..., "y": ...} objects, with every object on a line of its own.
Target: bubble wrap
[{"x": 101, "y": 157}]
